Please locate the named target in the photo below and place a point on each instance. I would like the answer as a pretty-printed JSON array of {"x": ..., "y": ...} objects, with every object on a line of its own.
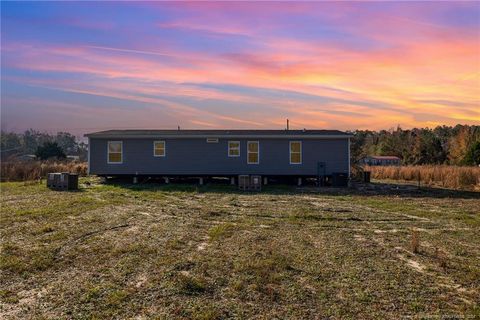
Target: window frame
[
  {"x": 258, "y": 152},
  {"x": 164, "y": 148},
  {"x": 108, "y": 152},
  {"x": 290, "y": 152},
  {"x": 228, "y": 149}
]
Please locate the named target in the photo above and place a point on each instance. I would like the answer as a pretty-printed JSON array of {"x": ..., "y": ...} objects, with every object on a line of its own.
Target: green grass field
[{"x": 180, "y": 251}]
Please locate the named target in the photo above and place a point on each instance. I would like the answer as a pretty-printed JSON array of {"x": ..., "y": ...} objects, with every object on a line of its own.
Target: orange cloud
[{"x": 374, "y": 72}]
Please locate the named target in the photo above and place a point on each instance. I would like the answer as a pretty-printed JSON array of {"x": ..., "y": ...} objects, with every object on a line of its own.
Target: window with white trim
[
  {"x": 295, "y": 152},
  {"x": 115, "y": 152},
  {"x": 253, "y": 152},
  {"x": 159, "y": 148},
  {"x": 234, "y": 148}
]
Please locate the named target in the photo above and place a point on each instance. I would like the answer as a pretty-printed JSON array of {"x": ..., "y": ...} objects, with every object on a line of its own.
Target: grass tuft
[
  {"x": 206, "y": 312},
  {"x": 191, "y": 285},
  {"x": 442, "y": 259},
  {"x": 415, "y": 242},
  {"x": 8, "y": 296},
  {"x": 264, "y": 273},
  {"x": 116, "y": 297},
  {"x": 221, "y": 231}
]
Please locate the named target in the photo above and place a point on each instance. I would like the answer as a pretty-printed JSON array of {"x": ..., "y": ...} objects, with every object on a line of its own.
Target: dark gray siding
[{"x": 197, "y": 157}]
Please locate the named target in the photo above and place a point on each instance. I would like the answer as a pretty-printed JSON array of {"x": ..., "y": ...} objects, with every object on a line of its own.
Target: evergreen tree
[
  {"x": 473, "y": 154},
  {"x": 50, "y": 150}
]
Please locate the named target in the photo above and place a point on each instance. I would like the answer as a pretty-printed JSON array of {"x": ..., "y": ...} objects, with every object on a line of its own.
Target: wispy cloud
[
  {"x": 131, "y": 51},
  {"x": 332, "y": 65}
]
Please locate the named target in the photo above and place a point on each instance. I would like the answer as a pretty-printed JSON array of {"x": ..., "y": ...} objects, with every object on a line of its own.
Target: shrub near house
[
  {"x": 32, "y": 170},
  {"x": 50, "y": 150}
]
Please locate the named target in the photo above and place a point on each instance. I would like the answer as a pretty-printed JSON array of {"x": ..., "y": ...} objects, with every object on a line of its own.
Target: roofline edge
[{"x": 296, "y": 136}]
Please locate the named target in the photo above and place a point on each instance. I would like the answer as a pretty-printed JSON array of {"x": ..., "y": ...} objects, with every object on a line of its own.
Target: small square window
[{"x": 234, "y": 148}]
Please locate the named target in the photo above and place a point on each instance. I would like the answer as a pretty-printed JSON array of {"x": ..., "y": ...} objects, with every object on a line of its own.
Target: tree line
[
  {"x": 458, "y": 145},
  {"x": 42, "y": 144}
]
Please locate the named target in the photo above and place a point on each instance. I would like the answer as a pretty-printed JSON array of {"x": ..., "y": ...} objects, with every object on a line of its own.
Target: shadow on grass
[
  {"x": 207, "y": 188},
  {"x": 412, "y": 191},
  {"x": 372, "y": 189},
  {"x": 79, "y": 190}
]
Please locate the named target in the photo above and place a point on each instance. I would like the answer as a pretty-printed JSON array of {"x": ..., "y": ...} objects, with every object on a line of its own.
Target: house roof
[
  {"x": 219, "y": 134},
  {"x": 385, "y": 157}
]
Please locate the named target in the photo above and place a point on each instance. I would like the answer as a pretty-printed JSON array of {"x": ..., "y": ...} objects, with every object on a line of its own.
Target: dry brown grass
[
  {"x": 442, "y": 258},
  {"x": 156, "y": 251},
  {"x": 455, "y": 177},
  {"x": 33, "y": 170},
  {"x": 415, "y": 243}
]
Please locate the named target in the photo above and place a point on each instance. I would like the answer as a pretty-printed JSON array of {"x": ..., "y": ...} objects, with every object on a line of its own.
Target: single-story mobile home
[{"x": 228, "y": 153}]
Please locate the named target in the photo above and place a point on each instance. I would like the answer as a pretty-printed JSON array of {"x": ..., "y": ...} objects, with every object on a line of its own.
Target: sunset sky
[{"x": 91, "y": 66}]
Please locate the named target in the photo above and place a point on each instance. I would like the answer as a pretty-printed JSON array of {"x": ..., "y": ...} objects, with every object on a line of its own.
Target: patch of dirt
[
  {"x": 202, "y": 246},
  {"x": 140, "y": 280},
  {"x": 386, "y": 231},
  {"x": 27, "y": 299},
  {"x": 440, "y": 280},
  {"x": 359, "y": 237},
  {"x": 415, "y": 217},
  {"x": 415, "y": 265}
]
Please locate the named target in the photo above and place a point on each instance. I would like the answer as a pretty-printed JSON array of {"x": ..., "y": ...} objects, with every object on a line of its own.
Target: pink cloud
[{"x": 403, "y": 61}]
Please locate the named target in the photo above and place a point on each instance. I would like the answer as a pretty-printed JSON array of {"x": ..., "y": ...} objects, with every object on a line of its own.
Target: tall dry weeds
[
  {"x": 33, "y": 170},
  {"x": 415, "y": 242},
  {"x": 456, "y": 177}
]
